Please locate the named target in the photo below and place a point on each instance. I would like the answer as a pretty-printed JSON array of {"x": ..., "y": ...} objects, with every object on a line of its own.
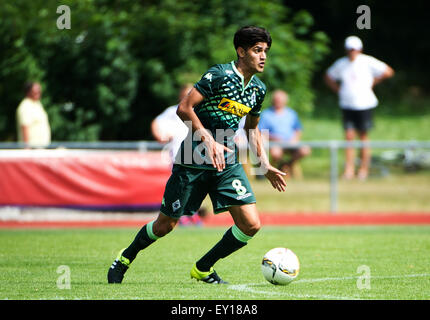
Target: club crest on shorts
[{"x": 176, "y": 205}]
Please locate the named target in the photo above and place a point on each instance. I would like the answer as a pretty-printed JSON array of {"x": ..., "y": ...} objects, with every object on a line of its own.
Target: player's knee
[
  {"x": 256, "y": 227},
  {"x": 252, "y": 227},
  {"x": 163, "y": 227},
  {"x": 162, "y": 230}
]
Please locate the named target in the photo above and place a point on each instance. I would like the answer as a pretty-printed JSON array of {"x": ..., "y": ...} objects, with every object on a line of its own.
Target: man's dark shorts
[
  {"x": 187, "y": 187},
  {"x": 360, "y": 120}
]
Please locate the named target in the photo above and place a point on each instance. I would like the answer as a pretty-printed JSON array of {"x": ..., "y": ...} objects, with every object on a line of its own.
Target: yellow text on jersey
[{"x": 233, "y": 107}]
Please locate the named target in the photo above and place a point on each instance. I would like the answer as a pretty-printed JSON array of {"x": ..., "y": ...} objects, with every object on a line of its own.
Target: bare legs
[
  {"x": 365, "y": 155},
  {"x": 246, "y": 218}
]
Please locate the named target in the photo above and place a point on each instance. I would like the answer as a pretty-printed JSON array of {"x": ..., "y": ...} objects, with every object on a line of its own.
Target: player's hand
[
  {"x": 216, "y": 153},
  {"x": 276, "y": 178}
]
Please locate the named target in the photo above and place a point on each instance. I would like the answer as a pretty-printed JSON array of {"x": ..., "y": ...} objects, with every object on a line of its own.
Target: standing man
[
  {"x": 284, "y": 125},
  {"x": 353, "y": 78},
  {"x": 32, "y": 120},
  {"x": 206, "y": 163}
]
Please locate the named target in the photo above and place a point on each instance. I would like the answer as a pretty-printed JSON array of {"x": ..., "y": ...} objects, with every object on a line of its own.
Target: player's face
[
  {"x": 255, "y": 57},
  {"x": 352, "y": 53}
]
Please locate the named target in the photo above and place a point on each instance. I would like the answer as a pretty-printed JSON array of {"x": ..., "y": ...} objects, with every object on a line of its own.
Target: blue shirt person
[{"x": 283, "y": 125}]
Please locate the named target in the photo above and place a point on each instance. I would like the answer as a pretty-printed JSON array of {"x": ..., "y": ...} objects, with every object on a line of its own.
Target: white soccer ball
[{"x": 280, "y": 266}]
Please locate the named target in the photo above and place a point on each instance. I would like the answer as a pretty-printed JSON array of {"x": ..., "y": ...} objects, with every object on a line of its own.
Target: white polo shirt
[
  {"x": 170, "y": 125},
  {"x": 356, "y": 80}
]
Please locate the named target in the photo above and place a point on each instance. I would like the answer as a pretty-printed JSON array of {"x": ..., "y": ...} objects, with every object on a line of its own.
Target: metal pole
[{"x": 333, "y": 177}]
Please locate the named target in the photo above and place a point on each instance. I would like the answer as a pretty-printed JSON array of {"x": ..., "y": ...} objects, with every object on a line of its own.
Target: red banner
[{"x": 86, "y": 179}]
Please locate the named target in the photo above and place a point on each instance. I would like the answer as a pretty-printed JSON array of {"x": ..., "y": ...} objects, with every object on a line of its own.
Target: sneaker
[
  {"x": 118, "y": 268},
  {"x": 206, "y": 276}
]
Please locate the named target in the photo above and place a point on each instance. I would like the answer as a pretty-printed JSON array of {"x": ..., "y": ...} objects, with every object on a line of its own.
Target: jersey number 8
[{"x": 237, "y": 185}]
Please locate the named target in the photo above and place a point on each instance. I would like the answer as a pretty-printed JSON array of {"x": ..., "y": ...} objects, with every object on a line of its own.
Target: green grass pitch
[{"x": 398, "y": 258}]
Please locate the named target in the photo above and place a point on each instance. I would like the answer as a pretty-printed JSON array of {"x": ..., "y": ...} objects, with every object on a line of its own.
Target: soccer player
[{"x": 213, "y": 109}]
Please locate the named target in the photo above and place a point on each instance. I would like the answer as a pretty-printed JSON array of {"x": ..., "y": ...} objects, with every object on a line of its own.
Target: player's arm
[
  {"x": 331, "y": 83},
  {"x": 186, "y": 112},
  {"x": 25, "y": 134},
  {"x": 388, "y": 73},
  {"x": 253, "y": 134},
  {"x": 297, "y": 136}
]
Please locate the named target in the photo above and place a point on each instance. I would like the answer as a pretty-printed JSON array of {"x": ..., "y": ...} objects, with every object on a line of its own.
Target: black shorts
[
  {"x": 187, "y": 188},
  {"x": 360, "y": 120}
]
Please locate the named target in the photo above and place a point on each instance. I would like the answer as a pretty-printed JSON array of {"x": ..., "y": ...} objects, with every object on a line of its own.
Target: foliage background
[{"x": 122, "y": 62}]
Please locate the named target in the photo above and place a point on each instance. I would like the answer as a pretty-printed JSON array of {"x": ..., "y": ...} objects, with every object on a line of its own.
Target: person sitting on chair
[{"x": 283, "y": 125}]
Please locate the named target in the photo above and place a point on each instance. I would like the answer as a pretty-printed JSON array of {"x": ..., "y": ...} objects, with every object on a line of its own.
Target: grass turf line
[{"x": 398, "y": 258}]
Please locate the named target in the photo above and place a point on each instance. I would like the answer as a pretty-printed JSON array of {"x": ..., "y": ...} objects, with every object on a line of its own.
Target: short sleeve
[
  {"x": 210, "y": 82},
  {"x": 24, "y": 114},
  {"x": 335, "y": 69},
  {"x": 256, "y": 110},
  {"x": 377, "y": 67}
]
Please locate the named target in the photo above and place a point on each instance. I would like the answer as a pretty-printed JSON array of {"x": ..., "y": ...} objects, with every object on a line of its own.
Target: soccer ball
[{"x": 280, "y": 266}]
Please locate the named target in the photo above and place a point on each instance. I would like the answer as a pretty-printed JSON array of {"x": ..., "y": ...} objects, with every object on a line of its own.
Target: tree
[{"x": 122, "y": 62}]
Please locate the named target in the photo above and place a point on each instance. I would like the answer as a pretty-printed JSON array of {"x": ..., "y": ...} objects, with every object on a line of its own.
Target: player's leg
[
  {"x": 183, "y": 195},
  {"x": 246, "y": 225},
  {"x": 147, "y": 235},
  {"x": 348, "y": 120},
  {"x": 349, "y": 171},
  {"x": 365, "y": 156},
  {"x": 364, "y": 126},
  {"x": 233, "y": 193}
]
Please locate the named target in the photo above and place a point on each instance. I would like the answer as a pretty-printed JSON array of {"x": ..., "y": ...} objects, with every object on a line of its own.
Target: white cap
[{"x": 353, "y": 42}]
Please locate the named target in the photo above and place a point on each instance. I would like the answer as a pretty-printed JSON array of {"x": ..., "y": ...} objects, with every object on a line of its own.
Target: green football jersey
[{"x": 226, "y": 101}]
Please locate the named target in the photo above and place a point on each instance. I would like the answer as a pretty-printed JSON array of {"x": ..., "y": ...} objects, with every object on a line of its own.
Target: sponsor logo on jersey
[{"x": 234, "y": 107}]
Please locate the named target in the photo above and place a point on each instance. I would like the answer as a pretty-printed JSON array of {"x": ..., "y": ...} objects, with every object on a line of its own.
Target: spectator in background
[
  {"x": 283, "y": 125},
  {"x": 167, "y": 127},
  {"x": 32, "y": 120},
  {"x": 353, "y": 78}
]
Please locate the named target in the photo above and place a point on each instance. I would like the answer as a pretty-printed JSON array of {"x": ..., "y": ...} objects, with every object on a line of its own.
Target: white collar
[{"x": 241, "y": 76}]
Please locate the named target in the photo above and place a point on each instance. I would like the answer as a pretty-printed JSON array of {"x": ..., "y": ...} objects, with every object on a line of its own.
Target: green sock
[
  {"x": 233, "y": 240},
  {"x": 143, "y": 239}
]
